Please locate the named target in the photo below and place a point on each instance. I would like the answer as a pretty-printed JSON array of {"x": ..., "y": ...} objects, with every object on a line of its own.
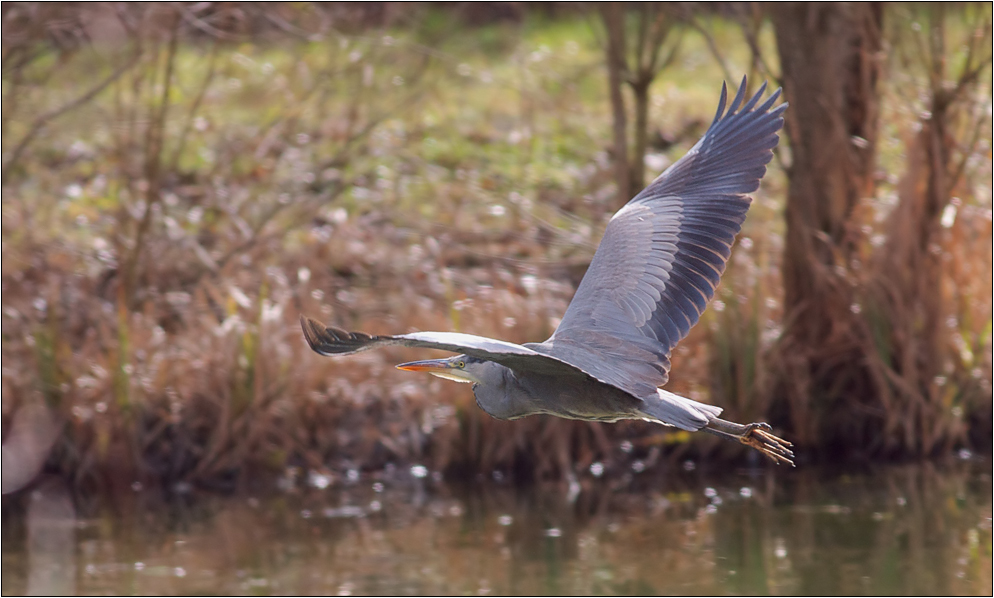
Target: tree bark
[
  {"x": 640, "y": 89},
  {"x": 866, "y": 349},
  {"x": 635, "y": 56},
  {"x": 613, "y": 14},
  {"x": 829, "y": 55}
]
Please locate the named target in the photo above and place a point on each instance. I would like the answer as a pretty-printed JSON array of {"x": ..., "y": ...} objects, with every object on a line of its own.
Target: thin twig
[
  {"x": 713, "y": 47},
  {"x": 181, "y": 144},
  {"x": 43, "y": 120}
]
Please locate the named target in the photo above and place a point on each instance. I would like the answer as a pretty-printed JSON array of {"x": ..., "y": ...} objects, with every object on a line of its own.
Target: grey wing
[
  {"x": 663, "y": 253},
  {"x": 327, "y": 340}
]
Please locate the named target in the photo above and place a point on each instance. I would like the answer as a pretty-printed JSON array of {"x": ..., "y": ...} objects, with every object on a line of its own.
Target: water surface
[{"x": 923, "y": 529}]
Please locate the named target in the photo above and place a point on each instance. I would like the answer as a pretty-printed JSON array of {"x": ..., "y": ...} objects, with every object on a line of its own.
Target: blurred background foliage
[{"x": 181, "y": 181}]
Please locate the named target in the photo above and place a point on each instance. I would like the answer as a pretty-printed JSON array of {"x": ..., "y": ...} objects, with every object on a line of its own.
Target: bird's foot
[{"x": 758, "y": 436}]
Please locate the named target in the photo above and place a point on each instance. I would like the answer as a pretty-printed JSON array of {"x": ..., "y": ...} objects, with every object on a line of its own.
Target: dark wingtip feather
[
  {"x": 755, "y": 98},
  {"x": 314, "y": 333},
  {"x": 750, "y": 105},
  {"x": 721, "y": 104},
  {"x": 769, "y": 101},
  {"x": 776, "y": 94},
  {"x": 328, "y": 340},
  {"x": 739, "y": 96}
]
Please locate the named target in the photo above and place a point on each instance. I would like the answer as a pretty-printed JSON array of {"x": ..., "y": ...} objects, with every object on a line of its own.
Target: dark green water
[{"x": 923, "y": 529}]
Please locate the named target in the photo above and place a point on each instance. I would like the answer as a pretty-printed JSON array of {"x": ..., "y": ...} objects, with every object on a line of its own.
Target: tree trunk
[
  {"x": 829, "y": 56},
  {"x": 613, "y": 14},
  {"x": 640, "y": 89},
  {"x": 830, "y": 69},
  {"x": 866, "y": 349}
]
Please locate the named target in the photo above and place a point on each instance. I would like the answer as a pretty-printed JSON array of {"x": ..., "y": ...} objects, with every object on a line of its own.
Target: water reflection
[
  {"x": 908, "y": 530},
  {"x": 51, "y": 543},
  {"x": 33, "y": 430}
]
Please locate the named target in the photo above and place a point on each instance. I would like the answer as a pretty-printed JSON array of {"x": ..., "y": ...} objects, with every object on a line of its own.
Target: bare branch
[
  {"x": 181, "y": 144},
  {"x": 43, "y": 120},
  {"x": 713, "y": 47}
]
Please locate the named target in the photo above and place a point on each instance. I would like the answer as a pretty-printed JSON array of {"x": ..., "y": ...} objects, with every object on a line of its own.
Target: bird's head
[
  {"x": 494, "y": 385},
  {"x": 460, "y": 368}
]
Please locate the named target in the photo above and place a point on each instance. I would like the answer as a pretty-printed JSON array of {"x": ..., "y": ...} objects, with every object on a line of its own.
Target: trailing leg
[{"x": 756, "y": 435}]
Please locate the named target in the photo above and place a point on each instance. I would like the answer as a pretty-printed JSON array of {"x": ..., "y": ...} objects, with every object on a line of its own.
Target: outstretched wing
[
  {"x": 663, "y": 253},
  {"x": 325, "y": 340},
  {"x": 328, "y": 340}
]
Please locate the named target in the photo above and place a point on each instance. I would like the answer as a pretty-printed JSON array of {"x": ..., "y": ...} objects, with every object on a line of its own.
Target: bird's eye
[{"x": 460, "y": 364}]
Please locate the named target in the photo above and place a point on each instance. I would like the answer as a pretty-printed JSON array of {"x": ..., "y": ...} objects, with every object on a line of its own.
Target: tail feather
[{"x": 674, "y": 410}]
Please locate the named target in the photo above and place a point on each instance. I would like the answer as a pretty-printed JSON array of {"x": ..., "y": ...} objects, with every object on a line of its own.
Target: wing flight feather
[
  {"x": 328, "y": 340},
  {"x": 663, "y": 253}
]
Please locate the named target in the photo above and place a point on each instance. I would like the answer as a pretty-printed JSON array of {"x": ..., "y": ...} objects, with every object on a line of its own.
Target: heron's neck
[{"x": 501, "y": 396}]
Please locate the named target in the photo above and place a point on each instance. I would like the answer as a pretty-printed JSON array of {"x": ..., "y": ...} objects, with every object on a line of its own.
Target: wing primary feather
[
  {"x": 739, "y": 96},
  {"x": 328, "y": 340},
  {"x": 755, "y": 98},
  {"x": 721, "y": 105},
  {"x": 769, "y": 102},
  {"x": 672, "y": 241}
]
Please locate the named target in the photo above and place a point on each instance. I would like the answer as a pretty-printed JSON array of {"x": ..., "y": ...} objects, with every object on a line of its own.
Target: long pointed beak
[
  {"x": 443, "y": 368},
  {"x": 428, "y": 365}
]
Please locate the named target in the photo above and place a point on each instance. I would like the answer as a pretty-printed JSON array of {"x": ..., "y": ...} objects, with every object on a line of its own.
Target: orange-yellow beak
[
  {"x": 428, "y": 365},
  {"x": 443, "y": 368}
]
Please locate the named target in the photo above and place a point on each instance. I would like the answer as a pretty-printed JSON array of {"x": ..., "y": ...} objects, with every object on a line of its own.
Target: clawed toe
[
  {"x": 758, "y": 436},
  {"x": 760, "y": 426}
]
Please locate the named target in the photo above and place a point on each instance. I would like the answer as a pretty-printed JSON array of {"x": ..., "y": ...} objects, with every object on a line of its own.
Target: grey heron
[{"x": 651, "y": 278}]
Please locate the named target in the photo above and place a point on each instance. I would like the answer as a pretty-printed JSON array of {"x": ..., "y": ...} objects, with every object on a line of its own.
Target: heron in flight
[{"x": 650, "y": 279}]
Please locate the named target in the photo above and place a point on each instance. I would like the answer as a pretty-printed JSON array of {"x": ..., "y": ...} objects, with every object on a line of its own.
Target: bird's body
[
  {"x": 656, "y": 268},
  {"x": 505, "y": 395}
]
